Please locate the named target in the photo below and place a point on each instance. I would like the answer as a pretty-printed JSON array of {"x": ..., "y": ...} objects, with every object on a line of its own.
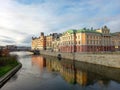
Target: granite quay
[{"x": 106, "y": 59}]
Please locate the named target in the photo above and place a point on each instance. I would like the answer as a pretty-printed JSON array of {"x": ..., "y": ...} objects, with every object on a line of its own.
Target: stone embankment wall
[
  {"x": 110, "y": 60},
  {"x": 8, "y": 75}
]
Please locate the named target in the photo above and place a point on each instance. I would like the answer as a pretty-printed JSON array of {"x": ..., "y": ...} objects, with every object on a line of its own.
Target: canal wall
[
  {"x": 110, "y": 60},
  {"x": 8, "y": 75}
]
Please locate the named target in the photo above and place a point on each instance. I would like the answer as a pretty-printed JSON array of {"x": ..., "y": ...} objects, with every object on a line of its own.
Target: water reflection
[
  {"x": 69, "y": 73},
  {"x": 49, "y": 73},
  {"x": 14, "y": 78},
  {"x": 39, "y": 61},
  {"x": 82, "y": 73}
]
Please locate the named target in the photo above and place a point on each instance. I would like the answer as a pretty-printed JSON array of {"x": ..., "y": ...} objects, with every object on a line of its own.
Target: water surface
[{"x": 49, "y": 73}]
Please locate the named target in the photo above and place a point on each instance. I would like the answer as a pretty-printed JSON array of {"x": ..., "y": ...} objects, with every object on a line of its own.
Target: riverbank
[
  {"x": 8, "y": 67},
  {"x": 109, "y": 60},
  {"x": 7, "y": 63}
]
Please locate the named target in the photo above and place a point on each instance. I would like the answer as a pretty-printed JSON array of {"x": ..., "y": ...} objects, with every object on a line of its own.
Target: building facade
[
  {"x": 89, "y": 40},
  {"x": 49, "y": 40},
  {"x": 105, "y": 42},
  {"x": 67, "y": 41},
  {"x": 52, "y": 41},
  {"x": 45, "y": 42},
  {"x": 116, "y": 41},
  {"x": 82, "y": 40},
  {"x": 55, "y": 45},
  {"x": 39, "y": 43}
]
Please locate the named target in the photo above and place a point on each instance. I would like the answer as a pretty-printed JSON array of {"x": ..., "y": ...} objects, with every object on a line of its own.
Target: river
[{"x": 49, "y": 73}]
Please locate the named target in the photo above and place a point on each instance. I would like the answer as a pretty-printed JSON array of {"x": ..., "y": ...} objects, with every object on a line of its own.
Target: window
[
  {"x": 75, "y": 36},
  {"x": 75, "y": 42},
  {"x": 90, "y": 41},
  {"x": 87, "y": 41},
  {"x": 87, "y": 36},
  {"x": 91, "y": 37}
]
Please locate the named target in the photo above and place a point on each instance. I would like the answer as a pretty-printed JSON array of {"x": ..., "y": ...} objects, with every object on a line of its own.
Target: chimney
[{"x": 42, "y": 34}]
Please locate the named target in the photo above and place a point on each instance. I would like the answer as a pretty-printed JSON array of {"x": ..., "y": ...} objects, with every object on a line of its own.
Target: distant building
[
  {"x": 1, "y": 47},
  {"x": 23, "y": 48},
  {"x": 11, "y": 47},
  {"x": 4, "y": 51}
]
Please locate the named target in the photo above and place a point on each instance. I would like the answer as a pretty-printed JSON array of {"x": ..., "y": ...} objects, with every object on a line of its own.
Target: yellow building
[
  {"x": 49, "y": 40},
  {"x": 39, "y": 43},
  {"x": 81, "y": 77},
  {"x": 34, "y": 43}
]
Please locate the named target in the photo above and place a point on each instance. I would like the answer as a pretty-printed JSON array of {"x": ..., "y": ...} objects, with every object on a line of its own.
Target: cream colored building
[
  {"x": 67, "y": 41},
  {"x": 52, "y": 41},
  {"x": 55, "y": 45},
  {"x": 39, "y": 43},
  {"x": 89, "y": 40}
]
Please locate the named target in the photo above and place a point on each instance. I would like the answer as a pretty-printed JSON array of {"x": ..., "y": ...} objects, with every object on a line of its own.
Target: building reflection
[
  {"x": 69, "y": 73},
  {"x": 77, "y": 72},
  {"x": 39, "y": 61}
]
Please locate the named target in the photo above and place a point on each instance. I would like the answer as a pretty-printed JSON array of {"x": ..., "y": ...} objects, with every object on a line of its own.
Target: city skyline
[{"x": 22, "y": 19}]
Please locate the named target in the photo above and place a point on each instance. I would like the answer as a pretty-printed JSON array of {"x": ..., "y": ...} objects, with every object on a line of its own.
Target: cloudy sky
[{"x": 22, "y": 19}]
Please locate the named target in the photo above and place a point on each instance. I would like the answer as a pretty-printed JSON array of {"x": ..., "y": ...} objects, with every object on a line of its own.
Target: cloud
[
  {"x": 8, "y": 41},
  {"x": 27, "y": 39},
  {"x": 21, "y": 19}
]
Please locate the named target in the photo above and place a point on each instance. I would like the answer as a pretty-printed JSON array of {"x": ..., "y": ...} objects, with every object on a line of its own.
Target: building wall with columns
[
  {"x": 67, "y": 41},
  {"x": 116, "y": 41},
  {"x": 89, "y": 40},
  {"x": 106, "y": 40}
]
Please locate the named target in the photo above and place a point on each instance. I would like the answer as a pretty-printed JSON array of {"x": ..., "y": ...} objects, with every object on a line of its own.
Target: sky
[{"x": 22, "y": 19}]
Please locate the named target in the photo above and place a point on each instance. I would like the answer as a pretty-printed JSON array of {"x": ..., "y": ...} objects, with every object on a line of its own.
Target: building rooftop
[
  {"x": 71, "y": 31},
  {"x": 84, "y": 30},
  {"x": 87, "y": 31}
]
